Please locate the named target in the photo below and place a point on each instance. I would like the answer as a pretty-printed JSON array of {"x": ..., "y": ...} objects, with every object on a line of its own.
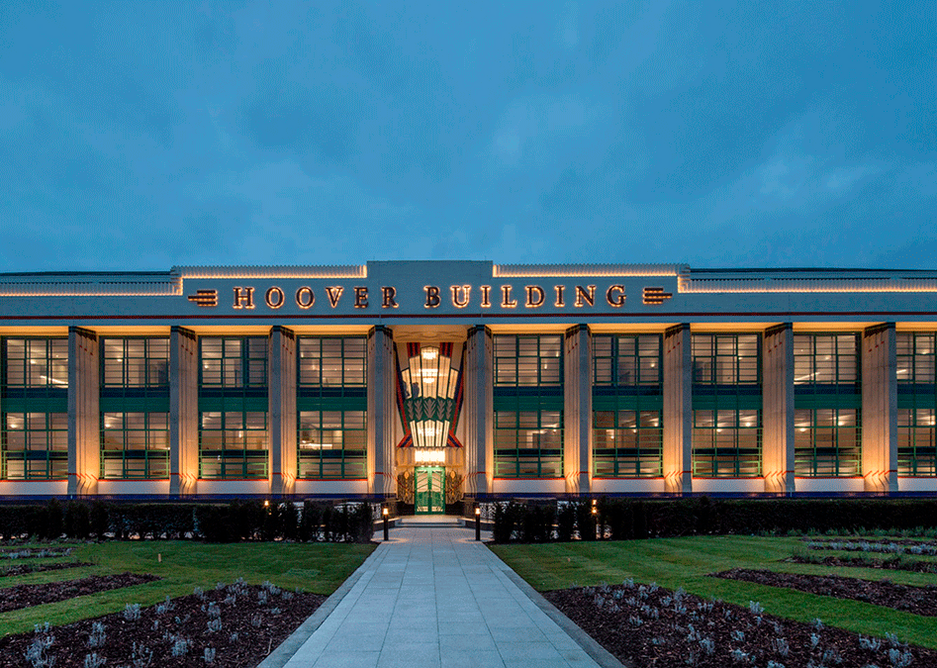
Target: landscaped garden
[
  {"x": 745, "y": 600},
  {"x": 149, "y": 601}
]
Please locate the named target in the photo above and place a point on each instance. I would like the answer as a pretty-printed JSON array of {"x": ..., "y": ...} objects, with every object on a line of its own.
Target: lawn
[
  {"x": 685, "y": 562},
  {"x": 317, "y": 568}
]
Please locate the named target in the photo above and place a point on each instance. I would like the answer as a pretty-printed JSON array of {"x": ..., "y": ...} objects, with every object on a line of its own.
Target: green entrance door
[{"x": 429, "y": 490}]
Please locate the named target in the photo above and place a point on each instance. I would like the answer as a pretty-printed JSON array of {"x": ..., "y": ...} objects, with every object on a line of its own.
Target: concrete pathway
[{"x": 433, "y": 597}]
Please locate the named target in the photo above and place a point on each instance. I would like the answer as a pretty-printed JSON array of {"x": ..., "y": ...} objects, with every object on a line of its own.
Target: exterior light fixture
[
  {"x": 385, "y": 512},
  {"x": 478, "y": 523}
]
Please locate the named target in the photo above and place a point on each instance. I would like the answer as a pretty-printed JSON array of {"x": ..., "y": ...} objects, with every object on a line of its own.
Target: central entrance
[{"x": 429, "y": 487}]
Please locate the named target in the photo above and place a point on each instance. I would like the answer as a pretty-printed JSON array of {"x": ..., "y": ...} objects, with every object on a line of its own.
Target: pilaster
[
  {"x": 84, "y": 429},
  {"x": 183, "y": 411},
  {"x": 283, "y": 424},
  {"x": 778, "y": 410},
  {"x": 382, "y": 390},
  {"x": 678, "y": 410},
  {"x": 880, "y": 409},
  {"x": 478, "y": 414},
  {"x": 577, "y": 415}
]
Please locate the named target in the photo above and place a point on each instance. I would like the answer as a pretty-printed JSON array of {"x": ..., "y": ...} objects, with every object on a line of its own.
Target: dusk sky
[{"x": 143, "y": 135}]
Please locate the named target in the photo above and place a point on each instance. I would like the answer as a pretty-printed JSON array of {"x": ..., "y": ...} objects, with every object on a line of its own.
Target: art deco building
[{"x": 433, "y": 379}]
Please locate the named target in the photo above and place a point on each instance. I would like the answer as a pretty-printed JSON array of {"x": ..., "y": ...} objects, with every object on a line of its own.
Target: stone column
[
  {"x": 183, "y": 411},
  {"x": 382, "y": 392},
  {"x": 577, "y": 418},
  {"x": 478, "y": 413},
  {"x": 880, "y": 409},
  {"x": 778, "y": 410},
  {"x": 678, "y": 410},
  {"x": 283, "y": 425},
  {"x": 84, "y": 417}
]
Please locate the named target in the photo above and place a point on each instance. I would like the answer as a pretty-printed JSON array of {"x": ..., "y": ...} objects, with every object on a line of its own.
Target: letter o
[
  {"x": 274, "y": 297},
  {"x": 305, "y": 297}
]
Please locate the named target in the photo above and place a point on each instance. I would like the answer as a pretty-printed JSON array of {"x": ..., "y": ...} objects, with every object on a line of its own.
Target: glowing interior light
[
  {"x": 429, "y": 354},
  {"x": 429, "y": 456}
]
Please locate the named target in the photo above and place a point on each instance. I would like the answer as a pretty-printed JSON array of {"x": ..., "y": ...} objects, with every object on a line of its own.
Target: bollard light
[
  {"x": 478, "y": 523},
  {"x": 386, "y": 513}
]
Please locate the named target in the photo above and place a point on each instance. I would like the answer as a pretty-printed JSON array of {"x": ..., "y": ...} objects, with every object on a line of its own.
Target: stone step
[{"x": 429, "y": 521}]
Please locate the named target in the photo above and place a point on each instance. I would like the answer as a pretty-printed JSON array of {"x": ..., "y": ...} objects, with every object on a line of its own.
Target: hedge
[
  {"x": 629, "y": 519},
  {"x": 238, "y": 520}
]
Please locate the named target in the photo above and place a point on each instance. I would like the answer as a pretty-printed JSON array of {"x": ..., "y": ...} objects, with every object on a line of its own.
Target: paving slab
[{"x": 432, "y": 597}]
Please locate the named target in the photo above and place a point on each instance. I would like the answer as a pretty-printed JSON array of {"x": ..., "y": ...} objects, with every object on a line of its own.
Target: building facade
[{"x": 432, "y": 380}]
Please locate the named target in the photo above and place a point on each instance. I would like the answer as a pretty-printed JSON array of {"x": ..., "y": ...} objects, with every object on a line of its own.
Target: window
[
  {"x": 35, "y": 446},
  {"x": 528, "y": 404},
  {"x": 827, "y": 404},
  {"x": 332, "y": 444},
  {"x": 332, "y": 361},
  {"x": 37, "y": 363},
  {"x": 135, "y": 362},
  {"x": 233, "y": 444},
  {"x": 332, "y": 407},
  {"x": 135, "y": 445},
  {"x": 627, "y": 403},
  {"x": 34, "y": 401},
  {"x": 826, "y": 442},
  {"x": 233, "y": 362},
  {"x": 528, "y": 361},
  {"x": 917, "y": 403},
  {"x": 727, "y": 427}
]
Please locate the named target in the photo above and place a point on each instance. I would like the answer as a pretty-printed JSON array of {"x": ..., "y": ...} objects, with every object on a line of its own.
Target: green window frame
[
  {"x": 134, "y": 445},
  {"x": 332, "y": 361},
  {"x": 727, "y": 405},
  {"x": 727, "y": 443},
  {"x": 233, "y": 361},
  {"x": 134, "y": 362},
  {"x": 917, "y": 403},
  {"x": 333, "y": 444},
  {"x": 35, "y": 363},
  {"x": 233, "y": 444},
  {"x": 34, "y": 402},
  {"x": 35, "y": 446},
  {"x": 827, "y": 442},
  {"x": 827, "y": 404},
  {"x": 332, "y": 407},
  {"x": 627, "y": 401},
  {"x": 528, "y": 444},
  {"x": 528, "y": 405},
  {"x": 528, "y": 360}
]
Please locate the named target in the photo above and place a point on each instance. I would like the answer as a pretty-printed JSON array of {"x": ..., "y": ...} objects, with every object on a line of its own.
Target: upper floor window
[
  {"x": 233, "y": 361},
  {"x": 135, "y": 362},
  {"x": 826, "y": 359},
  {"x": 626, "y": 360},
  {"x": 916, "y": 357},
  {"x": 528, "y": 360},
  {"x": 37, "y": 363},
  {"x": 726, "y": 359},
  {"x": 332, "y": 361}
]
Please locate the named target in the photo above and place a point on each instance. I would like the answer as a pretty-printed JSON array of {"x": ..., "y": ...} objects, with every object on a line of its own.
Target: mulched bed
[
  {"x": 249, "y": 622},
  {"x": 919, "y": 600},
  {"x": 861, "y": 561},
  {"x": 27, "y": 595},
  {"x": 648, "y": 626},
  {"x": 23, "y": 569}
]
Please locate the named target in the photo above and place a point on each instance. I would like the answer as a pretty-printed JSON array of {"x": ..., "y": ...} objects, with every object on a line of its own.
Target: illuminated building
[{"x": 403, "y": 378}]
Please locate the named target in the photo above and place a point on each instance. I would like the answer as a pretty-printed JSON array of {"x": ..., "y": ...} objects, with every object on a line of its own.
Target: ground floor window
[
  {"x": 135, "y": 445},
  {"x": 332, "y": 444},
  {"x": 726, "y": 443},
  {"x": 627, "y": 444},
  {"x": 827, "y": 442},
  {"x": 233, "y": 444},
  {"x": 528, "y": 444},
  {"x": 917, "y": 451},
  {"x": 34, "y": 446}
]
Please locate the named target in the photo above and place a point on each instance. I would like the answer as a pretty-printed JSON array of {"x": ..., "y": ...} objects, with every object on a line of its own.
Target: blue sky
[{"x": 142, "y": 135}]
